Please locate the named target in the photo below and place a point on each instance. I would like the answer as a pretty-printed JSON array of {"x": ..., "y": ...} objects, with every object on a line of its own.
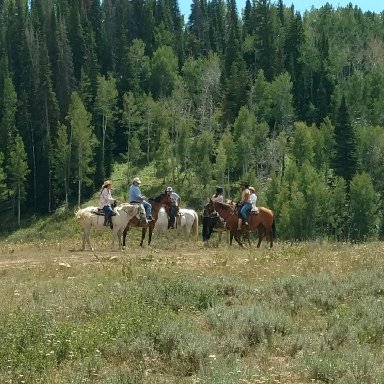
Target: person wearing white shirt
[
  {"x": 218, "y": 195},
  {"x": 253, "y": 199},
  {"x": 106, "y": 201}
]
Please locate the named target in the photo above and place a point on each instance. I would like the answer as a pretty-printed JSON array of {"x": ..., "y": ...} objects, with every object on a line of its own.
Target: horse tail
[
  {"x": 82, "y": 214},
  {"x": 195, "y": 226},
  {"x": 274, "y": 227}
]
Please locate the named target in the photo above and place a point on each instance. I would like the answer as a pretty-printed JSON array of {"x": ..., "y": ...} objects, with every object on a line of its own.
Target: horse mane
[
  {"x": 224, "y": 205},
  {"x": 158, "y": 198}
]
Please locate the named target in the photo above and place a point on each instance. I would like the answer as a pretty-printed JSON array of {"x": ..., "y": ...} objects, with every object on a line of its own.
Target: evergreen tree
[
  {"x": 3, "y": 187},
  {"x": 8, "y": 114},
  {"x": 65, "y": 80},
  {"x": 345, "y": 157}
]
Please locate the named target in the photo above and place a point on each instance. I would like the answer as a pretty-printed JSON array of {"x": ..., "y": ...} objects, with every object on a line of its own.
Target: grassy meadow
[{"x": 186, "y": 312}]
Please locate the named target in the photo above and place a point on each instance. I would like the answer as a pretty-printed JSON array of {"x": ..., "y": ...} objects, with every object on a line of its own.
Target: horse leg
[
  {"x": 261, "y": 233},
  {"x": 150, "y": 234},
  {"x": 125, "y": 235},
  {"x": 237, "y": 238},
  {"x": 83, "y": 239},
  {"x": 86, "y": 238},
  {"x": 249, "y": 238},
  {"x": 270, "y": 234},
  {"x": 143, "y": 232},
  {"x": 119, "y": 232}
]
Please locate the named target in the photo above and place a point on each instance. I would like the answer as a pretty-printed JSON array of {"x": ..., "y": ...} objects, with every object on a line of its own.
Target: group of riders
[
  {"x": 244, "y": 206},
  {"x": 135, "y": 196},
  {"x": 107, "y": 201}
]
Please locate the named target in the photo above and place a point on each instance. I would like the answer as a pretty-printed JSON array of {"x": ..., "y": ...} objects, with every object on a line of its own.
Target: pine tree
[
  {"x": 3, "y": 189},
  {"x": 8, "y": 113},
  {"x": 345, "y": 157}
]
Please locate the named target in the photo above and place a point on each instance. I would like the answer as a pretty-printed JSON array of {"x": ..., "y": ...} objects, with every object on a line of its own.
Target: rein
[{"x": 227, "y": 209}]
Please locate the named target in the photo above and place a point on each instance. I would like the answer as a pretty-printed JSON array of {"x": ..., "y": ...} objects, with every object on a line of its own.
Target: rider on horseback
[
  {"x": 218, "y": 195},
  {"x": 174, "y": 207},
  {"x": 135, "y": 196},
  {"x": 106, "y": 200},
  {"x": 244, "y": 205}
]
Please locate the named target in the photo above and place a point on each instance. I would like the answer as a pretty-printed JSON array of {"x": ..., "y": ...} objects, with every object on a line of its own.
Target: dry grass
[{"x": 53, "y": 276}]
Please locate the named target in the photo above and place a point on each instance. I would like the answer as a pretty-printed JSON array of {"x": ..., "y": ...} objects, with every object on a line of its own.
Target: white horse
[
  {"x": 88, "y": 218},
  {"x": 161, "y": 225},
  {"x": 187, "y": 220}
]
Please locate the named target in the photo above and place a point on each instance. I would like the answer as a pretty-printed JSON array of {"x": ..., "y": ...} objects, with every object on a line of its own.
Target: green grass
[{"x": 298, "y": 314}]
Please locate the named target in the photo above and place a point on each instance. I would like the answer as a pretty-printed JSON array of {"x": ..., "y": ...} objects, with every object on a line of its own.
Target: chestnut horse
[
  {"x": 263, "y": 222},
  {"x": 163, "y": 200}
]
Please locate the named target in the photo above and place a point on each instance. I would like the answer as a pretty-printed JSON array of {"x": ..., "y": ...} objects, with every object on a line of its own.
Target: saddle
[
  {"x": 107, "y": 222},
  {"x": 254, "y": 211}
]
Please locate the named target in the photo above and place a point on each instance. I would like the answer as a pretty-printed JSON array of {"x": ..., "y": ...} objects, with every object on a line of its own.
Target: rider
[
  {"x": 106, "y": 200},
  {"x": 253, "y": 200},
  {"x": 173, "y": 209},
  {"x": 218, "y": 195},
  {"x": 135, "y": 196},
  {"x": 245, "y": 205}
]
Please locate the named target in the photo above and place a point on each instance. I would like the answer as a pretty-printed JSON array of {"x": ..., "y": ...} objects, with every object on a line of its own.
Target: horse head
[{"x": 209, "y": 208}]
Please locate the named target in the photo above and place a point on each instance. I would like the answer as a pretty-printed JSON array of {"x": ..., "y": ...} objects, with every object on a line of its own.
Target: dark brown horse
[
  {"x": 263, "y": 222},
  {"x": 163, "y": 200}
]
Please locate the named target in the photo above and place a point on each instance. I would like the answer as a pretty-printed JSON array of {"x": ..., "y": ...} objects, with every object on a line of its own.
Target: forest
[{"x": 292, "y": 103}]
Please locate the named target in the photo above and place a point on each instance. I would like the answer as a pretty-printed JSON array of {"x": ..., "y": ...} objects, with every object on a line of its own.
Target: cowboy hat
[
  {"x": 219, "y": 189},
  {"x": 251, "y": 189},
  {"x": 169, "y": 189},
  {"x": 107, "y": 182},
  {"x": 136, "y": 180}
]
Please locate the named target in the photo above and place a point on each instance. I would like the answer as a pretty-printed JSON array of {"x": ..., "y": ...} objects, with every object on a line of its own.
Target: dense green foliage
[{"x": 291, "y": 102}]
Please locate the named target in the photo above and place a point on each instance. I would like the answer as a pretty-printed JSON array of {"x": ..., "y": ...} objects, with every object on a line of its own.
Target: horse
[
  {"x": 157, "y": 202},
  {"x": 263, "y": 222},
  {"x": 90, "y": 217},
  {"x": 161, "y": 225},
  {"x": 212, "y": 222},
  {"x": 187, "y": 220}
]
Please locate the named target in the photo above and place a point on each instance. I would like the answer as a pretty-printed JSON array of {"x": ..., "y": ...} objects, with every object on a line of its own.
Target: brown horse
[
  {"x": 163, "y": 200},
  {"x": 263, "y": 222}
]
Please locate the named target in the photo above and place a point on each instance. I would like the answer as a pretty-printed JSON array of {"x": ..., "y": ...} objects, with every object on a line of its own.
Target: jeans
[
  {"x": 148, "y": 208},
  {"x": 244, "y": 210},
  {"x": 108, "y": 212}
]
